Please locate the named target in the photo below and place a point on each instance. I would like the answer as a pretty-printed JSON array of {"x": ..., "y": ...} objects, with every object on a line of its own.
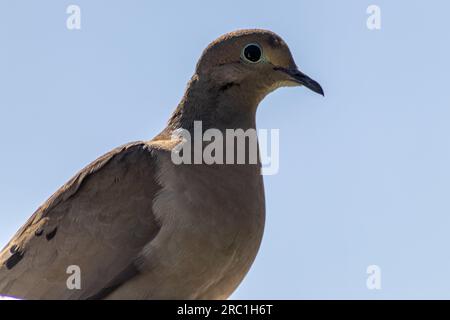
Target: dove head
[
  {"x": 255, "y": 60},
  {"x": 233, "y": 75}
]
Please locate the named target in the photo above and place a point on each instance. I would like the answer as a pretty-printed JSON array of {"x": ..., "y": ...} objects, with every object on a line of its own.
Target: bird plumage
[{"x": 141, "y": 227}]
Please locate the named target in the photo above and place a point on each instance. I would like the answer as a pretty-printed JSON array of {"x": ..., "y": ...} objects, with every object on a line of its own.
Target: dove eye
[{"x": 252, "y": 53}]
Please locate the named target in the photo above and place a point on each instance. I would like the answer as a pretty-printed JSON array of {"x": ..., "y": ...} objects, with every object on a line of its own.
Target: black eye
[{"x": 252, "y": 53}]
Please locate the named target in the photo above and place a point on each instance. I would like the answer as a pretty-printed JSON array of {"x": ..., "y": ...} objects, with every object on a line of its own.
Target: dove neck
[{"x": 226, "y": 106}]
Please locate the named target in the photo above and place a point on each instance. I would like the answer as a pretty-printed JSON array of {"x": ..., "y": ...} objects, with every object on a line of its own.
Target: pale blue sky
[{"x": 364, "y": 172}]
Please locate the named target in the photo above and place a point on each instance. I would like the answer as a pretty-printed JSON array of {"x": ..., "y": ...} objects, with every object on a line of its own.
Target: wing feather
[{"x": 100, "y": 220}]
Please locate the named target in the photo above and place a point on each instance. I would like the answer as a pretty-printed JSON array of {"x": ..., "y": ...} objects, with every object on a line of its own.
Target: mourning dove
[{"x": 139, "y": 226}]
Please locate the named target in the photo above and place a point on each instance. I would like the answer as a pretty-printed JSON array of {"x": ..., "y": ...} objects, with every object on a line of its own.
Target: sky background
[{"x": 364, "y": 172}]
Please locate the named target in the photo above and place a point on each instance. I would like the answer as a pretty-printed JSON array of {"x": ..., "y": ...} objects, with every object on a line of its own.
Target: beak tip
[
  {"x": 323, "y": 94},
  {"x": 320, "y": 91},
  {"x": 317, "y": 88}
]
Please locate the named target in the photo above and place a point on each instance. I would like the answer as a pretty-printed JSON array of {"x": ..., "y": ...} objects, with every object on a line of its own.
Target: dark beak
[{"x": 301, "y": 78}]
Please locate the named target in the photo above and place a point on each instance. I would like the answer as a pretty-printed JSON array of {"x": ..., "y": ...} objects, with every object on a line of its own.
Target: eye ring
[{"x": 252, "y": 53}]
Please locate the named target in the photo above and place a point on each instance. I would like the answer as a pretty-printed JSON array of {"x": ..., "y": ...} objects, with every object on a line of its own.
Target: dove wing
[{"x": 98, "y": 222}]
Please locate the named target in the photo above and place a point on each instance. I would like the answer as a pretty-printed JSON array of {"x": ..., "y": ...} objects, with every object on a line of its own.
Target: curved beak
[{"x": 302, "y": 79}]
